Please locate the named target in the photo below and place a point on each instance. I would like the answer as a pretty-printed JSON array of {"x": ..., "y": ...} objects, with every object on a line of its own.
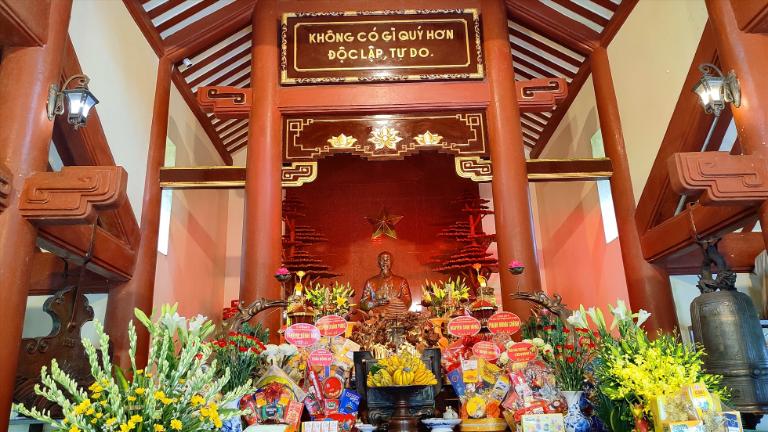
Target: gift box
[
  {"x": 732, "y": 421},
  {"x": 684, "y": 426},
  {"x": 542, "y": 423}
]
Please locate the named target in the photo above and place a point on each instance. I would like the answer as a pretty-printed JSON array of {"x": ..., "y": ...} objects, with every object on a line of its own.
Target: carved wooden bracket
[
  {"x": 72, "y": 195},
  {"x": 474, "y": 168},
  {"x": 722, "y": 179},
  {"x": 5, "y": 187},
  {"x": 298, "y": 173},
  {"x": 541, "y": 94},
  {"x": 225, "y": 102}
]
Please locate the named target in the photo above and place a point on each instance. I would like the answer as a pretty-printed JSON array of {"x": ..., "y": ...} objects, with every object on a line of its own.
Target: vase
[
  {"x": 401, "y": 419},
  {"x": 233, "y": 424},
  {"x": 575, "y": 421}
]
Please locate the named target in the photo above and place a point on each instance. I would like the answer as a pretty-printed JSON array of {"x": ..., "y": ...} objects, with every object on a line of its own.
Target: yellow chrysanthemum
[
  {"x": 182, "y": 381},
  {"x": 74, "y": 429},
  {"x": 159, "y": 428},
  {"x": 90, "y": 411},
  {"x": 96, "y": 396},
  {"x": 96, "y": 388},
  {"x": 140, "y": 391},
  {"x": 197, "y": 400},
  {"x": 136, "y": 418},
  {"x": 99, "y": 415},
  {"x": 110, "y": 421},
  {"x": 176, "y": 424},
  {"x": 131, "y": 398},
  {"x": 139, "y": 371},
  {"x": 159, "y": 394}
]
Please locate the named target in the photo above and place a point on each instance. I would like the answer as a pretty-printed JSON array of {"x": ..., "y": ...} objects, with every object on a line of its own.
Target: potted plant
[{"x": 177, "y": 391}]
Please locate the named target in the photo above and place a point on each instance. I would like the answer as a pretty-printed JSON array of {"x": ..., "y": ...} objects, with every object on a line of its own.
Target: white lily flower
[
  {"x": 173, "y": 322},
  {"x": 539, "y": 342},
  {"x": 642, "y": 317},
  {"x": 620, "y": 313},
  {"x": 577, "y": 319},
  {"x": 197, "y": 322}
]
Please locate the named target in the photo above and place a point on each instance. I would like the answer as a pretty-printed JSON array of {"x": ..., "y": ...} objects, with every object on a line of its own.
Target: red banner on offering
[
  {"x": 302, "y": 335},
  {"x": 463, "y": 326},
  {"x": 504, "y": 322},
  {"x": 521, "y": 352},
  {"x": 331, "y": 325},
  {"x": 320, "y": 358},
  {"x": 486, "y": 350}
]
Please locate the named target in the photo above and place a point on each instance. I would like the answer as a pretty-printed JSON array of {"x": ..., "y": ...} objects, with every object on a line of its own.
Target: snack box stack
[{"x": 694, "y": 409}]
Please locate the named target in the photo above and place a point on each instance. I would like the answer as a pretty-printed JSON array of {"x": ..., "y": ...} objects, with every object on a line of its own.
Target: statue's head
[{"x": 385, "y": 261}]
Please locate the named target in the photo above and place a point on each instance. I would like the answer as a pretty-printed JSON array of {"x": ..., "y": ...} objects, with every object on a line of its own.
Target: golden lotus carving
[
  {"x": 385, "y": 138},
  {"x": 342, "y": 141},
  {"x": 428, "y": 139}
]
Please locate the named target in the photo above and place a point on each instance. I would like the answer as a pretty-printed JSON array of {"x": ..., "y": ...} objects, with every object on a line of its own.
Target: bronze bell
[{"x": 726, "y": 323}]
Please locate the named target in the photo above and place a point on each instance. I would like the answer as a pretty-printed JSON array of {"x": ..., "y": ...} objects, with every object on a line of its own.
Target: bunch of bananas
[{"x": 400, "y": 370}]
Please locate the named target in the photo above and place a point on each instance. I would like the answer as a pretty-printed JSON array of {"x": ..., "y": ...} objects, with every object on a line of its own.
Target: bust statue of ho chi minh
[{"x": 386, "y": 293}]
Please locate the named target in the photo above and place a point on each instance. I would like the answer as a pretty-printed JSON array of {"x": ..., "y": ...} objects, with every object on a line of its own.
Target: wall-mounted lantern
[
  {"x": 714, "y": 89},
  {"x": 79, "y": 100}
]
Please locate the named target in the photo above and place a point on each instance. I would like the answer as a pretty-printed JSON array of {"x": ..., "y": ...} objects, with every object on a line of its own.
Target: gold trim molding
[{"x": 474, "y": 168}]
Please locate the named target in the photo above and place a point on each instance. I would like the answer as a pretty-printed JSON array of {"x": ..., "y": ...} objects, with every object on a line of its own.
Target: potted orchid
[{"x": 178, "y": 390}]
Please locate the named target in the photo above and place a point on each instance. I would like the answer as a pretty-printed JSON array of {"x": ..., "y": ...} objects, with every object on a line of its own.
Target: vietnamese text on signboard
[{"x": 337, "y": 47}]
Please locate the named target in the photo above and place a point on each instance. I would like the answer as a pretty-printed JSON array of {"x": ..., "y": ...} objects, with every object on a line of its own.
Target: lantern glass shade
[
  {"x": 79, "y": 101},
  {"x": 711, "y": 94}
]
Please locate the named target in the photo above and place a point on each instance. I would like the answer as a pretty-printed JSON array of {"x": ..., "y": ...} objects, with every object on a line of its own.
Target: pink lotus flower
[
  {"x": 515, "y": 267},
  {"x": 282, "y": 271}
]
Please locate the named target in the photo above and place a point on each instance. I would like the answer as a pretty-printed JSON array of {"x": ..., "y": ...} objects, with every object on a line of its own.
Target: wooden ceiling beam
[
  {"x": 207, "y": 32},
  {"x": 544, "y": 61},
  {"x": 187, "y": 13},
  {"x": 544, "y": 47},
  {"x": 163, "y": 8},
  {"x": 234, "y": 130},
  {"x": 112, "y": 258},
  {"x": 546, "y": 21},
  {"x": 539, "y": 69},
  {"x": 533, "y": 120},
  {"x": 738, "y": 249},
  {"x": 234, "y": 177},
  {"x": 584, "y": 12},
  {"x": 686, "y": 132},
  {"x": 607, "y": 4},
  {"x": 216, "y": 69},
  {"x": 216, "y": 55},
  {"x": 145, "y": 25},
  {"x": 203, "y": 119},
  {"x": 50, "y": 274},
  {"x": 620, "y": 14},
  {"x": 675, "y": 234}
]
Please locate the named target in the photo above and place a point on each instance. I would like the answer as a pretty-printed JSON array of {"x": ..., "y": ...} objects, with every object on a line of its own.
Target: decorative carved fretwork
[
  {"x": 541, "y": 301},
  {"x": 721, "y": 178},
  {"x": 5, "y": 187},
  {"x": 474, "y": 168},
  {"x": 69, "y": 311},
  {"x": 298, "y": 173},
  {"x": 541, "y": 94},
  {"x": 390, "y": 136},
  {"x": 225, "y": 102},
  {"x": 72, "y": 195}
]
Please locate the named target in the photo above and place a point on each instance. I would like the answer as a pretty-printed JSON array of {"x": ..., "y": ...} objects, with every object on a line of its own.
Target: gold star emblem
[
  {"x": 384, "y": 224},
  {"x": 428, "y": 139},
  {"x": 342, "y": 141},
  {"x": 384, "y": 137}
]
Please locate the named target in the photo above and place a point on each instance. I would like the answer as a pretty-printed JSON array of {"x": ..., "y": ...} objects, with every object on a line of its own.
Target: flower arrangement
[
  {"x": 331, "y": 300},
  {"x": 177, "y": 391},
  {"x": 443, "y": 297},
  {"x": 241, "y": 353},
  {"x": 568, "y": 352},
  {"x": 631, "y": 369}
]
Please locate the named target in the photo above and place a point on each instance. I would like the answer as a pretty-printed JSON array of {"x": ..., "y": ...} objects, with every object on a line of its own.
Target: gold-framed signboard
[{"x": 403, "y": 45}]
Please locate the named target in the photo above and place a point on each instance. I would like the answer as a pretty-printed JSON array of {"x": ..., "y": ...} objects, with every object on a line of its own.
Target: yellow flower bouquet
[{"x": 177, "y": 391}]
